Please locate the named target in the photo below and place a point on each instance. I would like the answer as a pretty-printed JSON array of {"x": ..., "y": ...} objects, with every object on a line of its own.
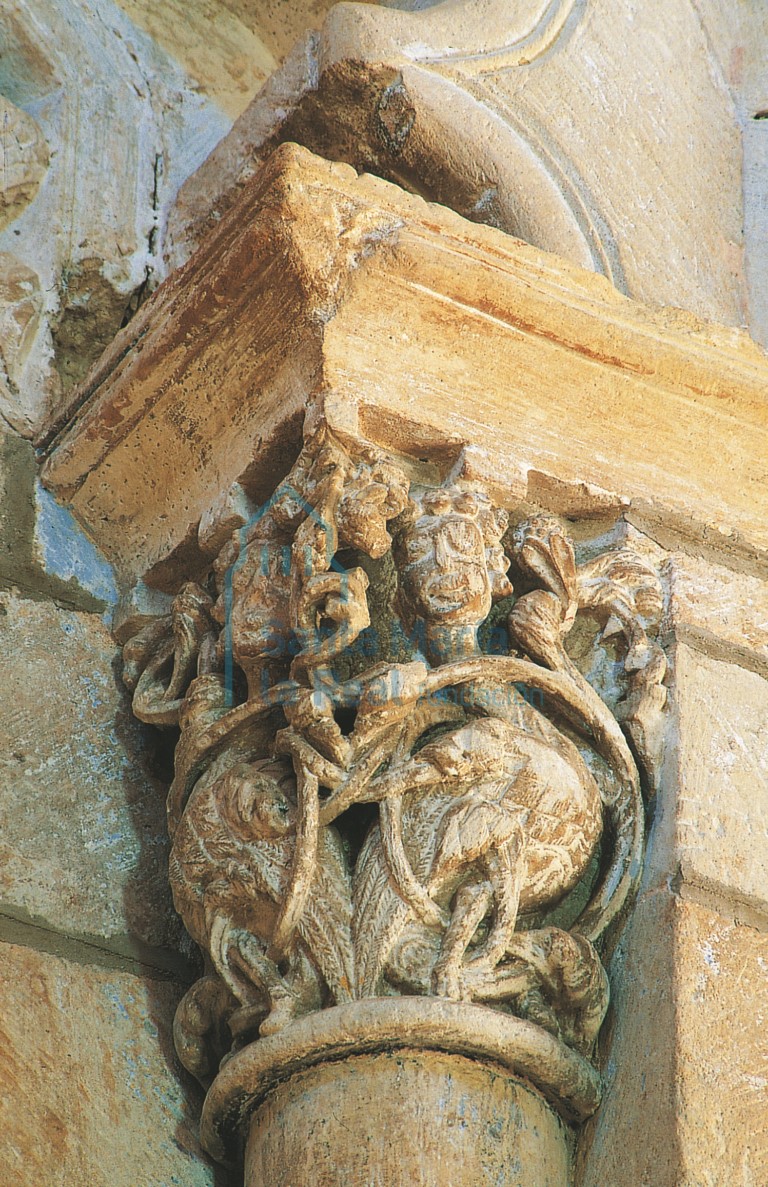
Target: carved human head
[{"x": 449, "y": 555}]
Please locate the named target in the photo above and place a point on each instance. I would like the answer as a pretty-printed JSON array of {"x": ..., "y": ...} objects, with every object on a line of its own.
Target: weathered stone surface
[
  {"x": 89, "y": 1091},
  {"x": 63, "y": 554},
  {"x": 467, "y": 1125},
  {"x": 212, "y": 189},
  {"x": 227, "y": 48},
  {"x": 631, "y": 1141},
  {"x": 107, "y": 106},
  {"x": 712, "y": 817},
  {"x": 137, "y": 609},
  {"x": 569, "y": 410},
  {"x": 375, "y": 284},
  {"x": 23, "y": 160},
  {"x": 686, "y": 1083},
  {"x": 722, "y": 1050},
  {"x": 123, "y": 125},
  {"x": 738, "y": 30},
  {"x": 43, "y": 551},
  {"x": 755, "y": 216},
  {"x": 482, "y": 133},
  {"x": 83, "y": 837},
  {"x": 718, "y": 611},
  {"x": 464, "y": 105},
  {"x": 469, "y": 822},
  {"x": 21, "y": 303}
]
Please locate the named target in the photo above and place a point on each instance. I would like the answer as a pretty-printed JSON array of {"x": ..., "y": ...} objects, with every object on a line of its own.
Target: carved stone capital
[
  {"x": 390, "y": 775},
  {"x": 417, "y": 703}
]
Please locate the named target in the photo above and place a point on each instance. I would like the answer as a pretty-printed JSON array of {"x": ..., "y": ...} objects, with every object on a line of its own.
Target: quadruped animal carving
[{"x": 390, "y": 772}]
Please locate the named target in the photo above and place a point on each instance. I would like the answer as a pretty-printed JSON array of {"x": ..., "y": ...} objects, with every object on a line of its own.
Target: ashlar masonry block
[
  {"x": 83, "y": 846},
  {"x": 713, "y": 833},
  {"x": 88, "y": 1089}
]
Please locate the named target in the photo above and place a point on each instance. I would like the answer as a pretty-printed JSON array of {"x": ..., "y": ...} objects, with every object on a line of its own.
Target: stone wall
[
  {"x": 105, "y": 109},
  {"x": 686, "y": 1056},
  {"x": 94, "y": 959}
]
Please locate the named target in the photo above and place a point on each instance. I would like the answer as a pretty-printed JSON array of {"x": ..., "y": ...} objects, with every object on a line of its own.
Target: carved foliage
[{"x": 407, "y": 828}]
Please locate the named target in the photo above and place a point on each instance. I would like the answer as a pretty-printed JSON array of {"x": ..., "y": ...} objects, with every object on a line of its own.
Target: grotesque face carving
[{"x": 449, "y": 556}]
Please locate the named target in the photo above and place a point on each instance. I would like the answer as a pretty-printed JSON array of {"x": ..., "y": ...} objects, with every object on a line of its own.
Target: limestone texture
[
  {"x": 21, "y": 305},
  {"x": 718, "y": 611},
  {"x": 712, "y": 828},
  {"x": 618, "y": 154},
  {"x": 83, "y": 847},
  {"x": 531, "y": 117},
  {"x": 119, "y": 125},
  {"x": 738, "y": 33},
  {"x": 43, "y": 551},
  {"x": 405, "y": 325},
  {"x": 227, "y": 48},
  {"x": 23, "y": 160},
  {"x": 685, "y": 1072},
  {"x": 89, "y": 1093},
  {"x": 112, "y": 105},
  {"x": 467, "y": 1125},
  {"x": 631, "y": 1142},
  {"x": 722, "y": 1064}
]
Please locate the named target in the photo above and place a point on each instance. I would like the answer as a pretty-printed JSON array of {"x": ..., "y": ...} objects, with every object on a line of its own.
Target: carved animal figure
[
  {"x": 229, "y": 869},
  {"x": 490, "y": 818}
]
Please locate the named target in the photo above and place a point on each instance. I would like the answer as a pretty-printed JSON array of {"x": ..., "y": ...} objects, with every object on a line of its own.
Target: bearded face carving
[{"x": 451, "y": 564}]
